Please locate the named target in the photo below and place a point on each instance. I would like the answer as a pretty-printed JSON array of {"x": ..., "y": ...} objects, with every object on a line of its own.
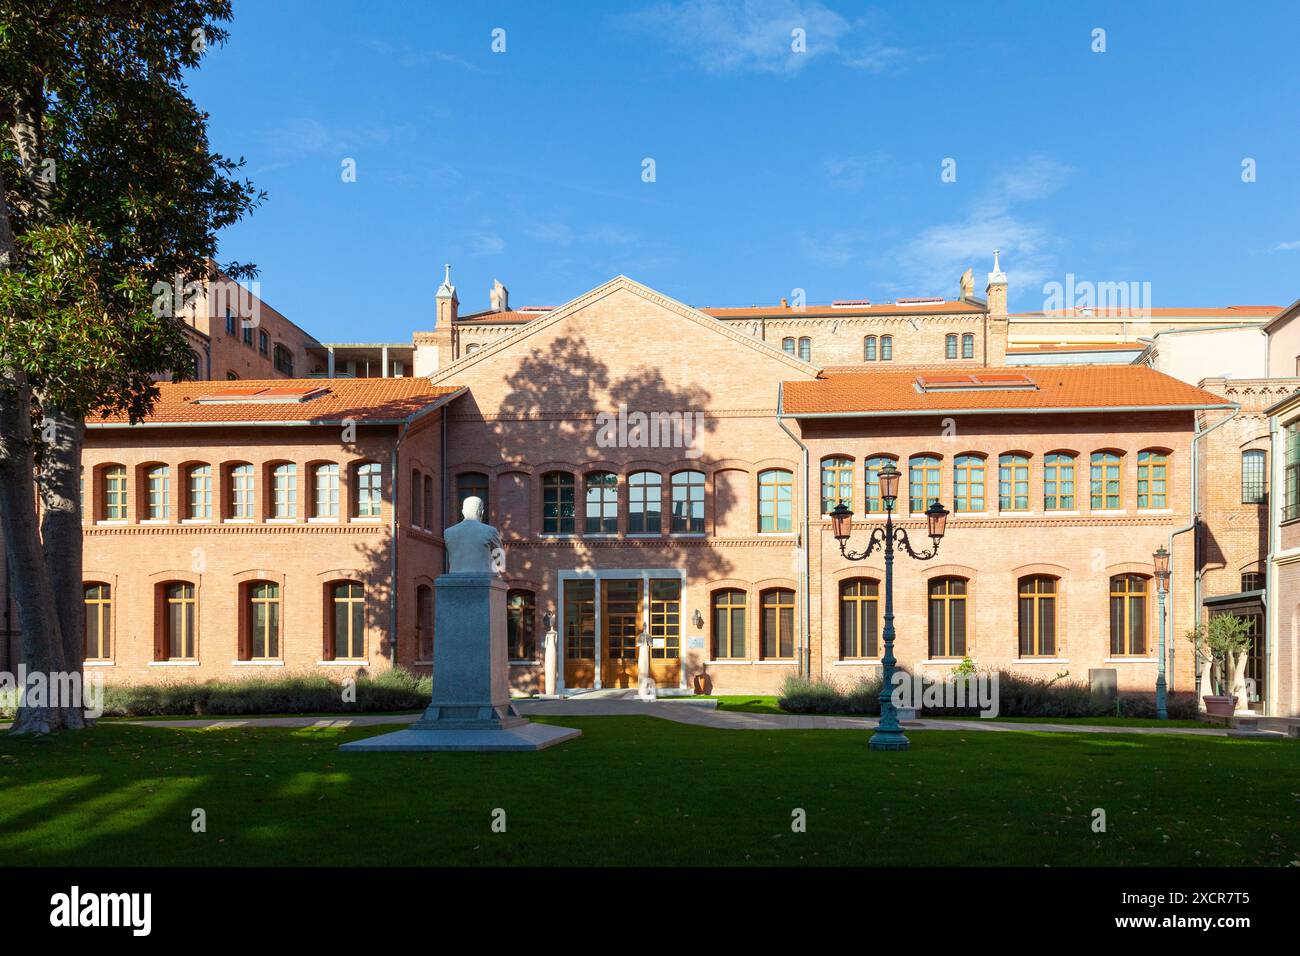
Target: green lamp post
[{"x": 1161, "y": 558}]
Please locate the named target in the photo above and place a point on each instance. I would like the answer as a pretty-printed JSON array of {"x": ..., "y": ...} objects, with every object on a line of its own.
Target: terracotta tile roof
[
  {"x": 821, "y": 311},
  {"x": 898, "y": 390},
  {"x": 288, "y": 400},
  {"x": 512, "y": 317}
]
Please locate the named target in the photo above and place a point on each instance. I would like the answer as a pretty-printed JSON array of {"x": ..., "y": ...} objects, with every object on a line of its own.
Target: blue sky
[{"x": 774, "y": 170}]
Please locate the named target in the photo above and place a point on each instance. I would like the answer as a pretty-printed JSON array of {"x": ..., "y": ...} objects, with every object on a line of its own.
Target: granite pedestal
[{"x": 471, "y": 708}]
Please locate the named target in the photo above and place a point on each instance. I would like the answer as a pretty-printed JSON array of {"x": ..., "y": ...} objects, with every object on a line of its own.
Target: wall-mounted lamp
[{"x": 698, "y": 619}]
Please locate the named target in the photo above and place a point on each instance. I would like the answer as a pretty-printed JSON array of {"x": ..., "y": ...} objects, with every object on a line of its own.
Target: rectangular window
[
  {"x": 1058, "y": 483},
  {"x": 688, "y": 502},
  {"x": 948, "y": 618},
  {"x": 284, "y": 491},
  {"x": 325, "y": 502},
  {"x": 231, "y": 324},
  {"x": 1291, "y": 473},
  {"x": 179, "y": 621},
  {"x": 872, "y": 501},
  {"x": 521, "y": 614},
  {"x": 1107, "y": 483},
  {"x": 557, "y": 503},
  {"x": 775, "y": 500},
  {"x": 369, "y": 490},
  {"x": 115, "y": 493},
  {"x": 200, "y": 502},
  {"x": 348, "y": 631},
  {"x": 1037, "y": 616},
  {"x": 1013, "y": 483},
  {"x": 263, "y": 341},
  {"x": 248, "y": 333},
  {"x": 1253, "y": 477},
  {"x": 924, "y": 480},
  {"x": 777, "y": 624},
  {"x": 1152, "y": 479},
  {"x": 644, "y": 502},
  {"x": 968, "y": 483},
  {"x": 859, "y": 619},
  {"x": 242, "y": 501},
  {"x": 728, "y": 624},
  {"x": 1128, "y": 616},
  {"x": 158, "y": 493},
  {"x": 602, "y": 503},
  {"x": 837, "y": 483},
  {"x": 264, "y": 621},
  {"x": 99, "y": 621}
]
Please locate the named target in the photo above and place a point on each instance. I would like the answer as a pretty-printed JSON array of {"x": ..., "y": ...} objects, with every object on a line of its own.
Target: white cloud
[
  {"x": 1286, "y": 246},
  {"x": 931, "y": 262},
  {"x": 486, "y": 244},
  {"x": 736, "y": 35}
]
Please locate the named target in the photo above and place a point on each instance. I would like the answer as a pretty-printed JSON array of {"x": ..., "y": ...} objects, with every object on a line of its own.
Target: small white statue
[
  {"x": 645, "y": 683},
  {"x": 552, "y": 654},
  {"x": 472, "y": 546}
]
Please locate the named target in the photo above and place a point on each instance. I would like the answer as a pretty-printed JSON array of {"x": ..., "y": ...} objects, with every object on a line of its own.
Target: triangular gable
[{"x": 620, "y": 283}]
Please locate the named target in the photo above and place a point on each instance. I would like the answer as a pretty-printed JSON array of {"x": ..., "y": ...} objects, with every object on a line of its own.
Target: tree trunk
[
  {"x": 41, "y": 640},
  {"x": 59, "y": 482}
]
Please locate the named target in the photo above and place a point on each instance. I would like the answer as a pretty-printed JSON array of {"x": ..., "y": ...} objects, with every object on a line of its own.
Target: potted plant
[{"x": 1222, "y": 646}]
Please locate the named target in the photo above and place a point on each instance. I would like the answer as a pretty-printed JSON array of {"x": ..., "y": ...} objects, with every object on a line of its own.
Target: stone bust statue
[{"x": 471, "y": 544}]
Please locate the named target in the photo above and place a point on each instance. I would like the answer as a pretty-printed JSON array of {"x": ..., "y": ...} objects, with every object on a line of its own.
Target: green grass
[
  {"x": 767, "y": 704},
  {"x": 643, "y": 791}
]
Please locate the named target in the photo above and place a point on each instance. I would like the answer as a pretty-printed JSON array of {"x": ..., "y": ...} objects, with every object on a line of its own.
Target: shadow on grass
[{"x": 641, "y": 791}]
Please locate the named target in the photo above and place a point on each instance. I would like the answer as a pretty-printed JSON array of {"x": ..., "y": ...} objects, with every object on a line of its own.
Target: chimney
[
  {"x": 784, "y": 303},
  {"x": 499, "y": 297},
  {"x": 448, "y": 304}
]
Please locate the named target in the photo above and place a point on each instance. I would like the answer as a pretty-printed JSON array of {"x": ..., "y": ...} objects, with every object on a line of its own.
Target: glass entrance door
[
  {"x": 621, "y": 613},
  {"x": 666, "y": 631},
  {"x": 580, "y": 633}
]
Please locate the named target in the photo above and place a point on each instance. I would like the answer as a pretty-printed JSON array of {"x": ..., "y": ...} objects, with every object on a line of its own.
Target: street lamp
[
  {"x": 1161, "y": 558},
  {"x": 889, "y": 735}
]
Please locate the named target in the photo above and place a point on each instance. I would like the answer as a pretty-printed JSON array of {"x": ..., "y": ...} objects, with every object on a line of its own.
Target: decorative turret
[{"x": 448, "y": 304}]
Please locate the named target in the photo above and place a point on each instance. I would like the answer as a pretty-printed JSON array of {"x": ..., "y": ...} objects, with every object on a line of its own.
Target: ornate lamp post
[
  {"x": 1161, "y": 558},
  {"x": 889, "y": 735}
]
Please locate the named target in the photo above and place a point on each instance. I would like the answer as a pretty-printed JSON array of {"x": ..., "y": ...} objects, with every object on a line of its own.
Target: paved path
[{"x": 685, "y": 711}]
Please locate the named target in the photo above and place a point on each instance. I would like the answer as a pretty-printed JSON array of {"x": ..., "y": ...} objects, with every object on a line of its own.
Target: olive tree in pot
[{"x": 1222, "y": 647}]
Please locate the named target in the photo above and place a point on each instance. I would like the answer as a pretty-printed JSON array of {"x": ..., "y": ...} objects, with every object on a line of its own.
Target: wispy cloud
[
  {"x": 486, "y": 244},
  {"x": 768, "y": 36},
  {"x": 850, "y": 173},
  {"x": 931, "y": 262},
  {"x": 408, "y": 56},
  {"x": 301, "y": 137},
  {"x": 1286, "y": 246}
]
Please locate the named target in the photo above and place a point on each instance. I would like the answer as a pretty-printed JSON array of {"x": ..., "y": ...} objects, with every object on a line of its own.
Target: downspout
[
  {"x": 805, "y": 618},
  {"x": 1274, "y": 515},
  {"x": 395, "y": 500},
  {"x": 1193, "y": 522},
  {"x": 445, "y": 492}
]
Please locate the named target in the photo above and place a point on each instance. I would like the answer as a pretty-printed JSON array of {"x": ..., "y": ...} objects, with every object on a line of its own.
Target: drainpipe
[
  {"x": 805, "y": 618},
  {"x": 395, "y": 501},
  {"x": 1191, "y": 524},
  {"x": 1274, "y": 514}
]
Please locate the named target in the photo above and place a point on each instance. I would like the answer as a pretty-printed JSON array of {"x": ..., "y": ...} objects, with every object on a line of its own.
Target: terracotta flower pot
[{"x": 1219, "y": 705}]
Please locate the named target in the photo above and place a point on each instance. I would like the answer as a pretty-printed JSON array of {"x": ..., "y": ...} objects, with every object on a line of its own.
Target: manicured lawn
[
  {"x": 642, "y": 791},
  {"x": 761, "y": 704}
]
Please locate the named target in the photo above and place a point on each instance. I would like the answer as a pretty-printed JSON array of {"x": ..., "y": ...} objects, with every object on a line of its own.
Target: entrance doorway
[{"x": 605, "y": 616}]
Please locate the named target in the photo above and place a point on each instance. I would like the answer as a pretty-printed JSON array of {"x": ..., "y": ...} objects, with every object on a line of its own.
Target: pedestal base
[{"x": 526, "y": 736}]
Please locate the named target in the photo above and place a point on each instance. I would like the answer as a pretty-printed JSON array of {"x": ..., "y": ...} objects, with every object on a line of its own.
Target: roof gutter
[
  {"x": 1007, "y": 411},
  {"x": 805, "y": 616}
]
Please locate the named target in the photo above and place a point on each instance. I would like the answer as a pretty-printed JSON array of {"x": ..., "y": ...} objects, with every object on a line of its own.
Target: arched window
[
  {"x": 1128, "y": 615},
  {"x": 968, "y": 483},
  {"x": 1254, "y": 479},
  {"x": 471, "y": 484},
  {"x": 1107, "y": 481},
  {"x": 284, "y": 490},
  {"x": 776, "y": 626},
  {"x": 775, "y": 500},
  {"x": 179, "y": 618},
  {"x": 1252, "y": 581},
  {"x": 369, "y": 494},
  {"x": 950, "y": 346},
  {"x": 261, "y": 622},
  {"x": 1058, "y": 482},
  {"x": 471, "y": 348},
  {"x": 1037, "y": 616},
  {"x": 113, "y": 485},
  {"x": 869, "y": 349},
  {"x": 859, "y": 618},
  {"x": 1013, "y": 483},
  {"x": 688, "y": 502},
  {"x": 557, "y": 503},
  {"x": 242, "y": 498},
  {"x": 601, "y": 490},
  {"x": 886, "y": 348},
  {"x": 923, "y": 477},
  {"x": 947, "y": 617},
  {"x": 424, "y": 623},
  {"x": 283, "y": 360},
  {"x": 787, "y": 344},
  {"x": 347, "y": 635},
  {"x": 837, "y": 483},
  {"x": 805, "y": 349},
  {"x": 428, "y": 503},
  {"x": 417, "y": 515},
  {"x": 99, "y": 621},
  {"x": 158, "y": 492},
  {"x": 644, "y": 502},
  {"x": 967, "y": 346},
  {"x": 729, "y": 624},
  {"x": 1152, "y": 479},
  {"x": 232, "y": 376},
  {"x": 521, "y": 618},
  {"x": 325, "y": 494},
  {"x": 199, "y": 480}
]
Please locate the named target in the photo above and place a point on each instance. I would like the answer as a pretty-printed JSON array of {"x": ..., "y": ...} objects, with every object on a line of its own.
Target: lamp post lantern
[
  {"x": 889, "y": 735},
  {"x": 1161, "y": 559}
]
